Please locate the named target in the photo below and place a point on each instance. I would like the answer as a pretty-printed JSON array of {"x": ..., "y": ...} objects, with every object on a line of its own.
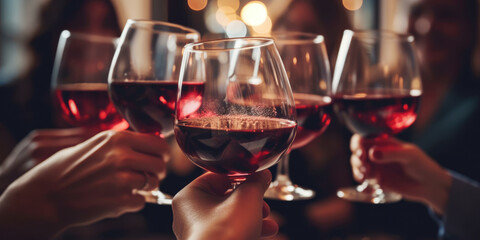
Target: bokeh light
[
  {"x": 197, "y": 5},
  {"x": 352, "y": 5},
  {"x": 233, "y": 4},
  {"x": 264, "y": 28},
  {"x": 225, "y": 15},
  {"x": 236, "y": 28},
  {"x": 254, "y": 13}
]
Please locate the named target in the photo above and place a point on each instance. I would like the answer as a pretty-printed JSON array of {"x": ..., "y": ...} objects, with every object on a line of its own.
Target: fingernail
[{"x": 377, "y": 154}]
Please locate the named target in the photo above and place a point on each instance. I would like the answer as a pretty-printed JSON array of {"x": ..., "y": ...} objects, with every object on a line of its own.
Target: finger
[
  {"x": 43, "y": 149},
  {"x": 41, "y": 134},
  {"x": 269, "y": 227},
  {"x": 142, "y": 162},
  {"x": 358, "y": 169},
  {"x": 148, "y": 144},
  {"x": 403, "y": 154},
  {"x": 211, "y": 183},
  {"x": 138, "y": 180},
  {"x": 151, "y": 182},
  {"x": 265, "y": 210},
  {"x": 355, "y": 142},
  {"x": 255, "y": 185}
]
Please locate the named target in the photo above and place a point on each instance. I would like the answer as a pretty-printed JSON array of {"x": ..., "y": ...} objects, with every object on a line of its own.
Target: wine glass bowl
[
  {"x": 143, "y": 79},
  {"x": 79, "y": 81},
  {"x": 377, "y": 89},
  {"x": 242, "y": 118},
  {"x": 305, "y": 59}
]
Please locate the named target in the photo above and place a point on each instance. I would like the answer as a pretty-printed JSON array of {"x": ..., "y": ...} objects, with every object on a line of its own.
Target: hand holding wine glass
[
  {"x": 201, "y": 210},
  {"x": 235, "y": 113},
  {"x": 83, "y": 184},
  {"x": 143, "y": 79},
  {"x": 404, "y": 168},
  {"x": 377, "y": 89}
]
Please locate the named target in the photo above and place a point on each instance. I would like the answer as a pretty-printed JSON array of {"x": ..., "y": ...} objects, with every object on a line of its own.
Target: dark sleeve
[{"x": 462, "y": 215}]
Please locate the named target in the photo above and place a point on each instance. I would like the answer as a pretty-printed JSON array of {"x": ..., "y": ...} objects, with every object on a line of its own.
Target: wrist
[
  {"x": 222, "y": 231},
  {"x": 439, "y": 192},
  {"x": 28, "y": 215}
]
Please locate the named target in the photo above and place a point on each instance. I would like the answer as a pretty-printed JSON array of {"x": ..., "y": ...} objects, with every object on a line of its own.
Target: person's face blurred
[
  {"x": 442, "y": 32},
  {"x": 301, "y": 18},
  {"x": 91, "y": 19}
]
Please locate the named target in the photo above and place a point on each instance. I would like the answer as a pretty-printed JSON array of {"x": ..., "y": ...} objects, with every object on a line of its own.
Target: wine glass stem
[
  {"x": 370, "y": 185},
  {"x": 283, "y": 170}
]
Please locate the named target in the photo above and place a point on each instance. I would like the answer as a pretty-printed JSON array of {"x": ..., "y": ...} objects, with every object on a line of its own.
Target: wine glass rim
[
  {"x": 66, "y": 34},
  {"x": 291, "y": 37},
  {"x": 370, "y": 34},
  {"x": 265, "y": 41},
  {"x": 184, "y": 31}
]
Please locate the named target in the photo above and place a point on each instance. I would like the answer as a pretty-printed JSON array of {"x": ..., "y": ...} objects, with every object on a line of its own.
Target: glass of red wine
[
  {"x": 376, "y": 88},
  {"x": 235, "y": 112},
  {"x": 143, "y": 79},
  {"x": 305, "y": 59},
  {"x": 79, "y": 81}
]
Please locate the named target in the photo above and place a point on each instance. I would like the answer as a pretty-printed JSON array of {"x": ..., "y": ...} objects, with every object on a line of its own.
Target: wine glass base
[
  {"x": 156, "y": 197},
  {"x": 288, "y": 192},
  {"x": 375, "y": 196}
]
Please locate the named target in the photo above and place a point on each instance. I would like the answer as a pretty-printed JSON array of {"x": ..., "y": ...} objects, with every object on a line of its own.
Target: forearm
[
  {"x": 25, "y": 217},
  {"x": 437, "y": 193},
  {"x": 462, "y": 213}
]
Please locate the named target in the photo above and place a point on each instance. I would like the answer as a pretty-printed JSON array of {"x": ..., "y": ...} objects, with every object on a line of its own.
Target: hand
[
  {"x": 83, "y": 184},
  {"x": 403, "y": 168},
  {"x": 205, "y": 210},
  {"x": 36, "y": 147}
]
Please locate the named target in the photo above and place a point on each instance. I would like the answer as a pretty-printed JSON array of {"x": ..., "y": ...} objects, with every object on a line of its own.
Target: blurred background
[{"x": 30, "y": 30}]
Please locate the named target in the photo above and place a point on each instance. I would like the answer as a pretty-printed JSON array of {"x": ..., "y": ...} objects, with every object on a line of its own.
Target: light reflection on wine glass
[
  {"x": 377, "y": 89},
  {"x": 242, "y": 117},
  {"x": 305, "y": 58},
  {"x": 143, "y": 79},
  {"x": 79, "y": 81}
]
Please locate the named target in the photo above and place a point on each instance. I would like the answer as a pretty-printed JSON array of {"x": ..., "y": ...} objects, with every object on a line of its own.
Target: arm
[
  {"x": 462, "y": 213},
  {"x": 36, "y": 147},
  {"x": 406, "y": 169},
  {"x": 83, "y": 184}
]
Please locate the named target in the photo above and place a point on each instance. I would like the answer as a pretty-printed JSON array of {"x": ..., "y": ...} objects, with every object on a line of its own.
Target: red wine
[
  {"x": 149, "y": 106},
  {"x": 313, "y": 117},
  {"x": 237, "y": 145},
  {"x": 88, "y": 105},
  {"x": 376, "y": 114}
]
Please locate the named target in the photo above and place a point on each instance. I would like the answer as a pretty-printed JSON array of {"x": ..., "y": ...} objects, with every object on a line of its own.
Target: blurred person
[
  {"x": 452, "y": 197},
  {"x": 83, "y": 184},
  {"x": 446, "y": 128},
  {"x": 208, "y": 209},
  {"x": 27, "y": 104}
]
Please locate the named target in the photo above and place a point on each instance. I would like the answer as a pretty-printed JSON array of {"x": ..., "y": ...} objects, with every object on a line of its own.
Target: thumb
[
  {"x": 211, "y": 183},
  {"x": 255, "y": 185}
]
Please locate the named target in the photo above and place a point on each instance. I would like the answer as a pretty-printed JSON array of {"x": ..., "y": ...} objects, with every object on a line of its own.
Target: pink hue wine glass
[
  {"x": 143, "y": 79},
  {"x": 79, "y": 81},
  {"x": 376, "y": 89}
]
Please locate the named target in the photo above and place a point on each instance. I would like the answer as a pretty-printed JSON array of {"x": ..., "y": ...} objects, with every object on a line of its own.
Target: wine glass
[
  {"x": 79, "y": 81},
  {"x": 143, "y": 79},
  {"x": 376, "y": 89},
  {"x": 235, "y": 112},
  {"x": 305, "y": 58}
]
